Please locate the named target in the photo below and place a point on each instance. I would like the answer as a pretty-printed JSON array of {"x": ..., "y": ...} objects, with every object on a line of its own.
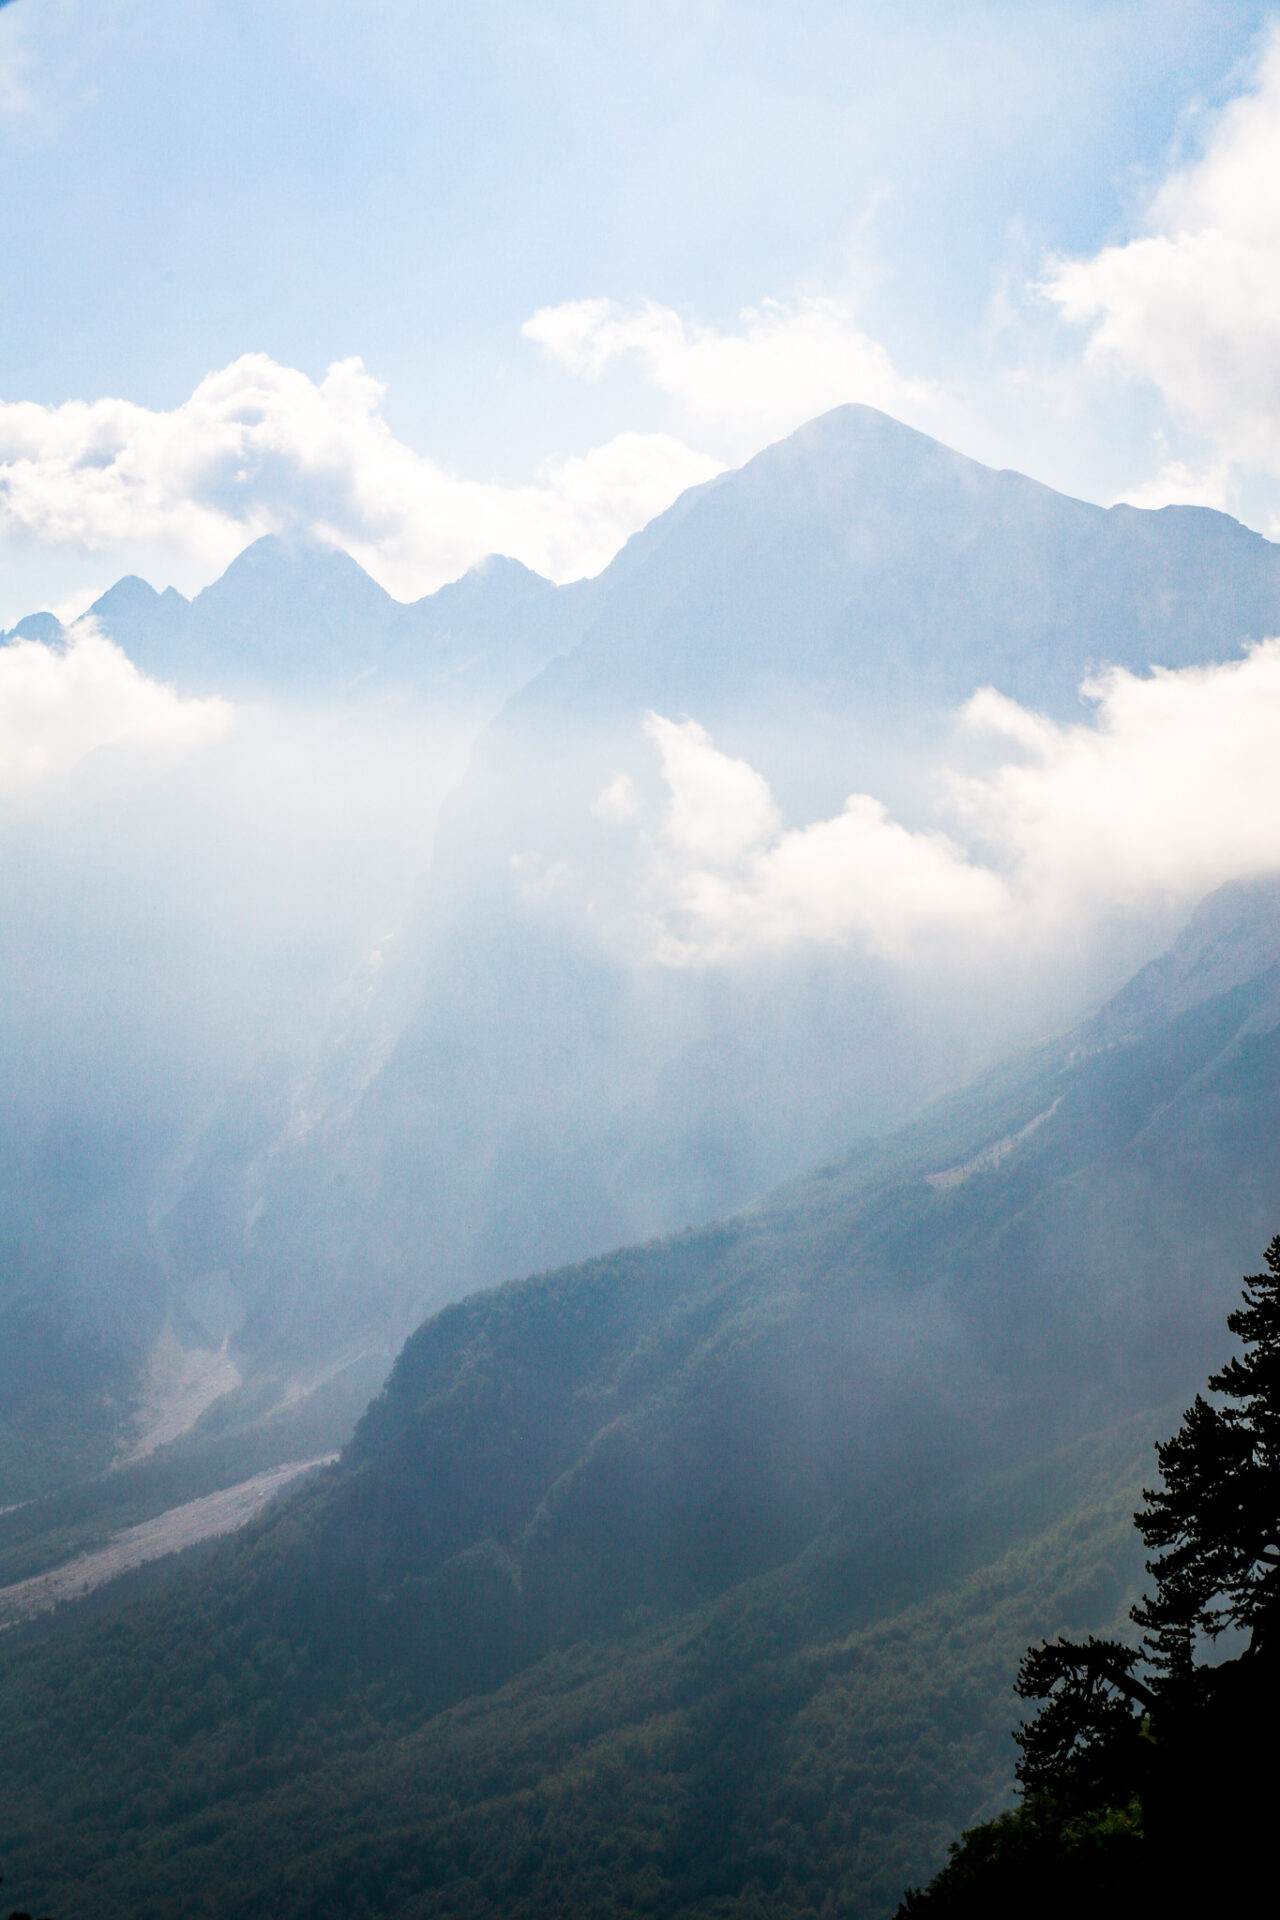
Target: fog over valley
[{"x": 380, "y": 974}]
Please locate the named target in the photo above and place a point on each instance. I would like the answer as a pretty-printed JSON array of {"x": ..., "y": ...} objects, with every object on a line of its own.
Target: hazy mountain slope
[
  {"x": 821, "y": 610},
  {"x": 662, "y": 1501},
  {"x": 297, "y": 620},
  {"x": 1049, "y": 1251},
  {"x": 517, "y": 1088},
  {"x": 171, "y": 924}
]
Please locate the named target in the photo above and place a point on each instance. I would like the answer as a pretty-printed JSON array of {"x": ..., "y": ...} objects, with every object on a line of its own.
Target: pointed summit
[
  {"x": 293, "y": 611},
  {"x": 153, "y": 628}
]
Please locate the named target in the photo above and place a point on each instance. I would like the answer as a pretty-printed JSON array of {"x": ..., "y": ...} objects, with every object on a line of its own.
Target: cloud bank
[
  {"x": 58, "y": 705},
  {"x": 727, "y": 879},
  {"x": 745, "y": 386},
  {"x": 1193, "y": 302},
  {"x": 1171, "y": 790},
  {"x": 260, "y": 448}
]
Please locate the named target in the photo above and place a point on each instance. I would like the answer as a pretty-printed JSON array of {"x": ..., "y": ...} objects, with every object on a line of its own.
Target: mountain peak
[
  {"x": 44, "y": 627},
  {"x": 294, "y": 565},
  {"x": 133, "y": 598}
]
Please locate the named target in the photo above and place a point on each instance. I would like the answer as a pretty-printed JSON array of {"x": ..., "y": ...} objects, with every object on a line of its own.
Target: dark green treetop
[
  {"x": 1147, "y": 1767},
  {"x": 1216, "y": 1520}
]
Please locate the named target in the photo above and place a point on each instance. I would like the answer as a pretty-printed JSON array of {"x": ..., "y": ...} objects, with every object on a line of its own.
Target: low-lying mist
[
  {"x": 325, "y": 1010},
  {"x": 189, "y": 885}
]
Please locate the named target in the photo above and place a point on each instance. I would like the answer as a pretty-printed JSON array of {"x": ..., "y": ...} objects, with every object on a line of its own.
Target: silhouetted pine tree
[{"x": 1147, "y": 1772}]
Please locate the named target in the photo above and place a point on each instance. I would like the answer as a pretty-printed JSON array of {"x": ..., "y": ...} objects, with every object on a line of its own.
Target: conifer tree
[
  {"x": 1148, "y": 1773},
  {"x": 1215, "y": 1526},
  {"x": 1216, "y": 1519}
]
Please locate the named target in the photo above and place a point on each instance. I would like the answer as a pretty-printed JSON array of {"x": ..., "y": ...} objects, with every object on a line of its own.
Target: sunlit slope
[
  {"x": 592, "y": 1564},
  {"x": 1045, "y": 1253}
]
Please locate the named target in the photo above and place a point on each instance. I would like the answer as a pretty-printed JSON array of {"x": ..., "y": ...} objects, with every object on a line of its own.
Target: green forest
[
  {"x": 691, "y": 1581},
  {"x": 796, "y": 1746}
]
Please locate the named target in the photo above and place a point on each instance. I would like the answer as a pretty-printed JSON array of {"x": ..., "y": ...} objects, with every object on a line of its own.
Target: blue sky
[{"x": 189, "y": 183}]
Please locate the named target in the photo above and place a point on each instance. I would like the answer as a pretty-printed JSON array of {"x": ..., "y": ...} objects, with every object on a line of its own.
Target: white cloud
[
  {"x": 1193, "y": 302},
  {"x": 727, "y": 880},
  {"x": 781, "y": 365},
  {"x": 1178, "y": 481},
  {"x": 59, "y": 704},
  {"x": 617, "y": 802},
  {"x": 261, "y": 448},
  {"x": 1170, "y": 790},
  {"x": 719, "y": 808},
  {"x": 1174, "y": 789}
]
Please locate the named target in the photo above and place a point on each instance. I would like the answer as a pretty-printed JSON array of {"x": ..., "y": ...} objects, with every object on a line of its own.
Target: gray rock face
[
  {"x": 1232, "y": 938},
  {"x": 295, "y": 620}
]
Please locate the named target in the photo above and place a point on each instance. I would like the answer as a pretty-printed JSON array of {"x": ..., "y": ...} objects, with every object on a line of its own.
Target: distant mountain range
[{"x": 297, "y": 620}]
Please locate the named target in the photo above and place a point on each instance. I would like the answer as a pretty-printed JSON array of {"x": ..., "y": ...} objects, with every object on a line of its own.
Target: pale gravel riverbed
[{"x": 184, "y": 1526}]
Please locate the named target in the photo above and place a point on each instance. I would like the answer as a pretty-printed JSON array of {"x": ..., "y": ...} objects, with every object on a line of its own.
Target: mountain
[
  {"x": 554, "y": 1092},
  {"x": 45, "y": 628},
  {"x": 415, "y": 1093},
  {"x": 923, "y": 571},
  {"x": 859, "y": 579},
  {"x": 170, "y": 923},
  {"x": 295, "y": 618},
  {"x": 692, "y": 1580},
  {"x": 1049, "y": 1252}
]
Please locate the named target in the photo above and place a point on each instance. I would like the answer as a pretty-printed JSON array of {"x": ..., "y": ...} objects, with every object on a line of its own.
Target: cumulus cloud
[
  {"x": 719, "y": 808},
  {"x": 725, "y": 879},
  {"x": 1174, "y": 788},
  {"x": 59, "y": 704},
  {"x": 260, "y": 448},
  {"x": 1171, "y": 789},
  {"x": 780, "y": 366},
  {"x": 1192, "y": 303}
]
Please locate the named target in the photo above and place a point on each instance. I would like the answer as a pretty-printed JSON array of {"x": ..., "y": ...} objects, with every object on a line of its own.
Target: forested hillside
[{"x": 751, "y": 1523}]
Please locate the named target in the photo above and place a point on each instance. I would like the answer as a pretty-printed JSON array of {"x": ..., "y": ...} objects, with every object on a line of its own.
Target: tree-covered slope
[
  {"x": 1047, "y": 1252},
  {"x": 803, "y": 1744},
  {"x": 558, "y": 1627}
]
